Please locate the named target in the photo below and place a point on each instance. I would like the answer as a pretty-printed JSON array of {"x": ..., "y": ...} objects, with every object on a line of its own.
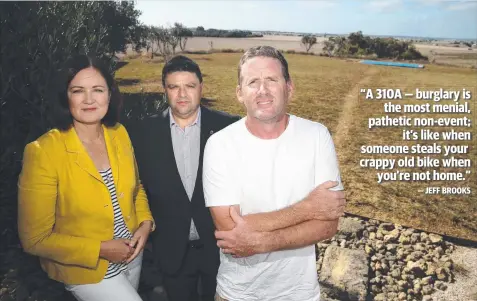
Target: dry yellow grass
[{"x": 327, "y": 91}]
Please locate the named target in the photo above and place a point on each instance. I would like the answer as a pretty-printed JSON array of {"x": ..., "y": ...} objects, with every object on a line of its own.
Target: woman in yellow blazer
[{"x": 81, "y": 206}]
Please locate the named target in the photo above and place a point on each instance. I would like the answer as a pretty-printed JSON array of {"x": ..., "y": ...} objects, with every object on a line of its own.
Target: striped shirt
[{"x": 120, "y": 228}]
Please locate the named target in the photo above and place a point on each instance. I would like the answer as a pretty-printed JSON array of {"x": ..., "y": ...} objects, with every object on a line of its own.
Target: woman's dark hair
[{"x": 62, "y": 118}]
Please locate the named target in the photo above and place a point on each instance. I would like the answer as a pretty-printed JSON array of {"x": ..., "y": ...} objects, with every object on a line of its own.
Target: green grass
[{"x": 327, "y": 92}]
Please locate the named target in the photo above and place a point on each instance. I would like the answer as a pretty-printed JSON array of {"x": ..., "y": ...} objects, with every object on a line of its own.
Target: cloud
[
  {"x": 320, "y": 4},
  {"x": 249, "y": 5},
  {"x": 445, "y": 1},
  {"x": 463, "y": 5},
  {"x": 452, "y": 4},
  {"x": 385, "y": 5},
  {"x": 431, "y": 2}
]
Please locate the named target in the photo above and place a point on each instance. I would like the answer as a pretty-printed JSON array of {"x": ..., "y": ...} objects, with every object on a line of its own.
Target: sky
[{"x": 418, "y": 18}]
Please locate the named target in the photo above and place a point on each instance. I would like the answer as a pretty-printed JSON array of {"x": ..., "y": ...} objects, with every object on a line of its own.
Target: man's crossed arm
[{"x": 305, "y": 223}]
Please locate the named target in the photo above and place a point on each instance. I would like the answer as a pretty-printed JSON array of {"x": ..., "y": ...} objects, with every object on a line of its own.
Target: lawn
[{"x": 327, "y": 91}]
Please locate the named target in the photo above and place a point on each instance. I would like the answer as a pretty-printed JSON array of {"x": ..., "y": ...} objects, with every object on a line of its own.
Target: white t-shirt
[{"x": 262, "y": 176}]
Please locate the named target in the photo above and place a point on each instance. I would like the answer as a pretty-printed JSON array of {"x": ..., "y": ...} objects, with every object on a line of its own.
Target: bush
[{"x": 357, "y": 45}]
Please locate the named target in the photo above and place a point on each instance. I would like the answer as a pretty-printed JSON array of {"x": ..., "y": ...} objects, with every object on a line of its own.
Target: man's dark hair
[
  {"x": 180, "y": 63},
  {"x": 62, "y": 118},
  {"x": 264, "y": 51}
]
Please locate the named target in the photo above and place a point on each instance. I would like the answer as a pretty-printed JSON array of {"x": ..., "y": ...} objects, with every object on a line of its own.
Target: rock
[
  {"x": 416, "y": 267},
  {"x": 375, "y": 289},
  {"x": 348, "y": 226},
  {"x": 372, "y": 235},
  {"x": 396, "y": 273},
  {"x": 340, "y": 236},
  {"x": 414, "y": 256},
  {"x": 379, "y": 234},
  {"x": 380, "y": 297},
  {"x": 373, "y": 222},
  {"x": 418, "y": 255},
  {"x": 404, "y": 239},
  {"x": 400, "y": 254},
  {"x": 448, "y": 264},
  {"x": 426, "y": 298},
  {"x": 417, "y": 288},
  {"x": 392, "y": 295},
  {"x": 440, "y": 285},
  {"x": 438, "y": 251},
  {"x": 368, "y": 250},
  {"x": 402, "y": 284},
  {"x": 431, "y": 270},
  {"x": 392, "y": 236},
  {"x": 322, "y": 245},
  {"x": 402, "y": 296},
  {"x": 415, "y": 237},
  {"x": 420, "y": 247},
  {"x": 345, "y": 269},
  {"x": 384, "y": 267},
  {"x": 391, "y": 247},
  {"x": 391, "y": 256},
  {"x": 387, "y": 226},
  {"x": 424, "y": 236},
  {"x": 445, "y": 258},
  {"x": 442, "y": 273},
  {"x": 435, "y": 239},
  {"x": 426, "y": 280},
  {"x": 389, "y": 280},
  {"x": 428, "y": 257}
]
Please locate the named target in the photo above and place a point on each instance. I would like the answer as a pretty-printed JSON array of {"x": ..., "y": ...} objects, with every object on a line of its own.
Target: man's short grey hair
[{"x": 264, "y": 51}]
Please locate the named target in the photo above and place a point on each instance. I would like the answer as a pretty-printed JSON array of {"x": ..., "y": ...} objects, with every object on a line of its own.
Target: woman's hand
[
  {"x": 116, "y": 250},
  {"x": 139, "y": 239}
]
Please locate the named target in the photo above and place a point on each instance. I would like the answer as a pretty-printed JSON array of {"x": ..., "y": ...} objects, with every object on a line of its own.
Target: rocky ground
[
  {"x": 366, "y": 260},
  {"x": 369, "y": 260}
]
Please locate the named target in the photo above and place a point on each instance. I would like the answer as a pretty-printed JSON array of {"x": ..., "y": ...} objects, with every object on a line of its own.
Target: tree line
[
  {"x": 222, "y": 33},
  {"x": 358, "y": 45},
  {"x": 164, "y": 41}
]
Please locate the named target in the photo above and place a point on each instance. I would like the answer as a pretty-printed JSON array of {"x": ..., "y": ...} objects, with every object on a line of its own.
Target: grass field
[{"x": 327, "y": 91}]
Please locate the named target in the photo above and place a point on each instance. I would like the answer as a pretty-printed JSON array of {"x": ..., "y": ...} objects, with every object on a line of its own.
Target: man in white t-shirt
[{"x": 272, "y": 183}]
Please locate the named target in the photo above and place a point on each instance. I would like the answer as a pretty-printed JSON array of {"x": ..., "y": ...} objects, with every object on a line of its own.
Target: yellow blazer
[{"x": 64, "y": 207}]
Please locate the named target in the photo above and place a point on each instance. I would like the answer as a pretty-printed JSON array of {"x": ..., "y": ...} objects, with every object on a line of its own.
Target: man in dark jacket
[{"x": 169, "y": 151}]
